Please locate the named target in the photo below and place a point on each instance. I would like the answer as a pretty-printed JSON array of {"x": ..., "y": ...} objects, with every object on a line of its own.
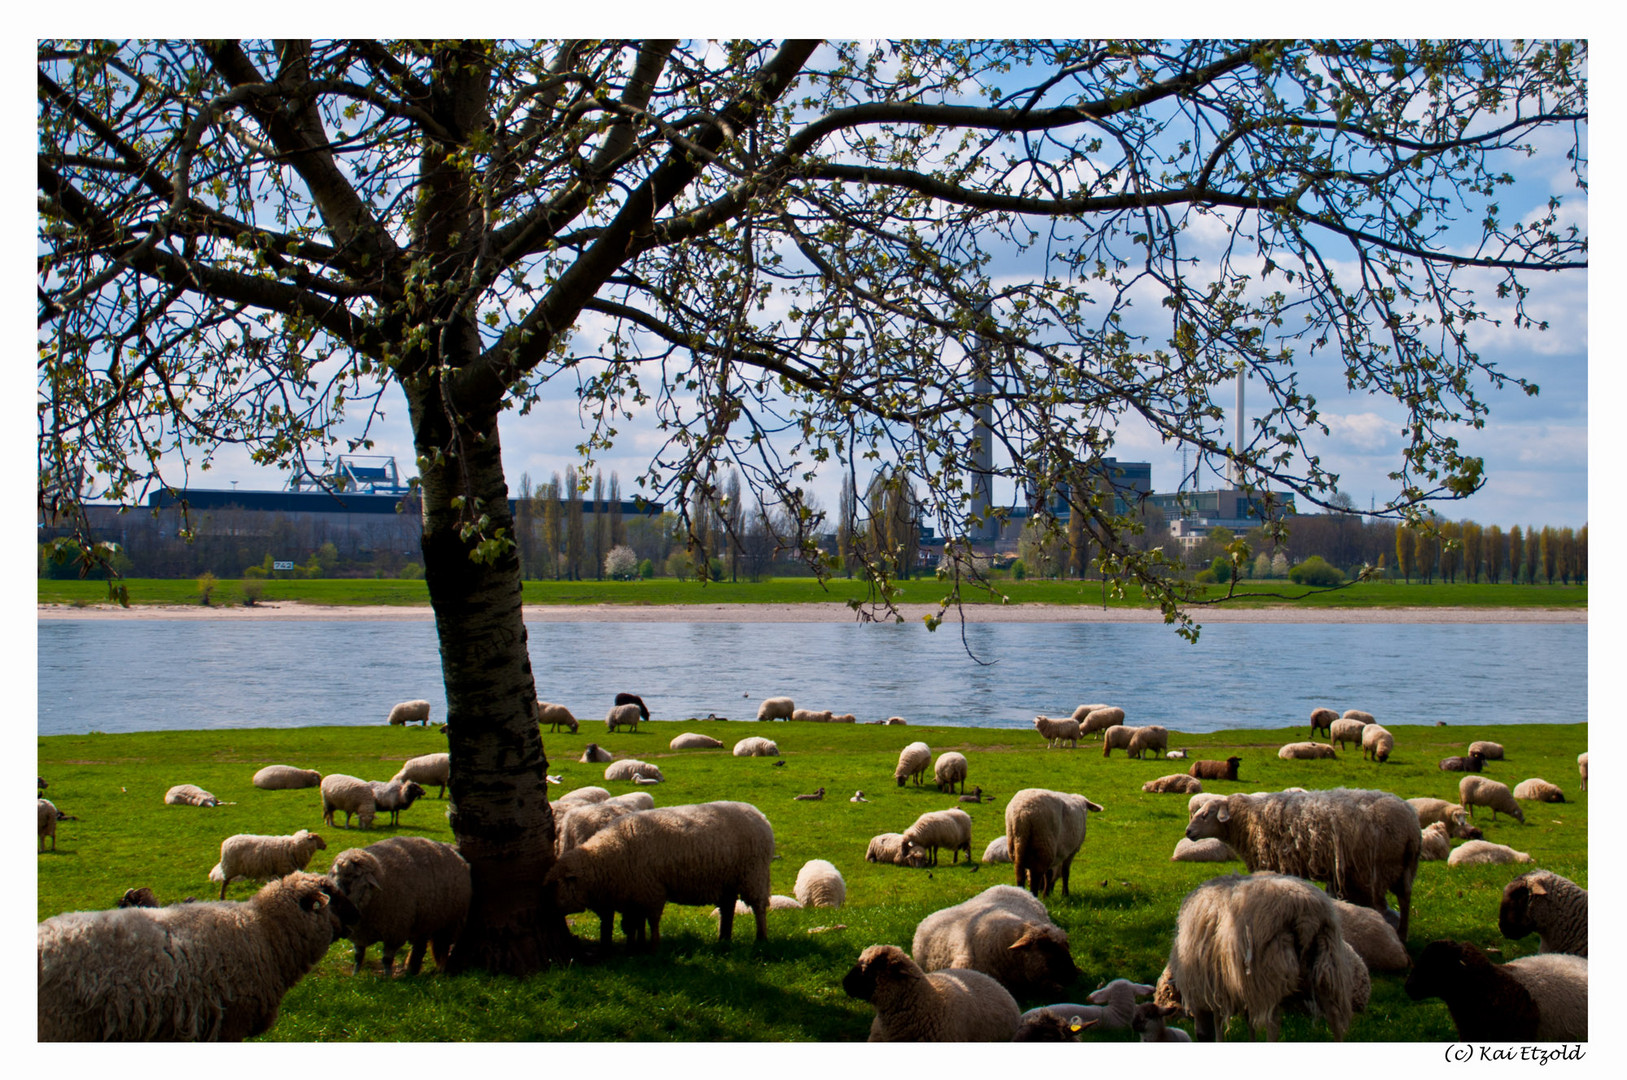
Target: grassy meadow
[{"x": 1119, "y": 917}]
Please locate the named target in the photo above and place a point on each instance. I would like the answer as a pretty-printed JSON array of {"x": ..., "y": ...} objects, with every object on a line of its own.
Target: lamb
[
  {"x": 631, "y": 769},
  {"x": 1210, "y": 850},
  {"x": 576, "y": 823},
  {"x": 394, "y": 796},
  {"x": 189, "y": 795},
  {"x": 1041, "y": 1026},
  {"x": 707, "y": 853},
  {"x": 409, "y": 890},
  {"x": 812, "y": 796},
  {"x": 594, "y": 754},
  {"x": 1434, "y": 843},
  {"x": 1484, "y": 853},
  {"x": 689, "y": 740},
  {"x": 812, "y": 716},
  {"x": 1473, "y": 763},
  {"x": 1149, "y": 1019},
  {"x": 1536, "y": 998},
  {"x": 1152, "y": 737},
  {"x": 48, "y": 819},
  {"x": 1174, "y": 784},
  {"x": 1100, "y": 720},
  {"x": 1370, "y": 934},
  {"x": 997, "y": 851},
  {"x": 1450, "y": 815},
  {"x": 590, "y": 794},
  {"x": 948, "y": 770},
  {"x": 634, "y": 699},
  {"x": 1476, "y": 791},
  {"x": 1215, "y": 770},
  {"x": 891, "y": 848},
  {"x": 1045, "y": 831},
  {"x": 976, "y": 795},
  {"x": 285, "y": 778},
  {"x": 942, "y": 828},
  {"x": 1489, "y": 750},
  {"x": 1175, "y": 754},
  {"x": 776, "y": 708},
  {"x": 1552, "y": 907},
  {"x": 1376, "y": 743},
  {"x": 622, "y": 716},
  {"x": 913, "y": 761},
  {"x": 943, "y": 1006},
  {"x": 1116, "y": 737},
  {"x": 556, "y": 717},
  {"x": 410, "y": 712},
  {"x": 1538, "y": 790},
  {"x": 1250, "y": 944},
  {"x": 1361, "y": 843},
  {"x": 1305, "y": 751},
  {"x": 1002, "y": 932},
  {"x": 756, "y": 746},
  {"x": 1112, "y": 1007},
  {"x": 820, "y": 884},
  {"x": 1346, "y": 731},
  {"x": 1322, "y": 720},
  {"x": 1057, "y": 731},
  {"x": 249, "y": 856},
  {"x": 633, "y": 800},
  {"x": 351, "y": 794},
  {"x": 214, "y": 971},
  {"x": 775, "y": 903},
  {"x": 1581, "y": 767},
  {"x": 427, "y": 770}
]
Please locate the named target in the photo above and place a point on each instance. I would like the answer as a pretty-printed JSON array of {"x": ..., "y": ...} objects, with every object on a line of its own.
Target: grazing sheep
[
  {"x": 1484, "y": 853},
  {"x": 1116, "y": 737},
  {"x": 1250, "y": 944},
  {"x": 351, "y": 794},
  {"x": 1450, "y": 815},
  {"x": 943, "y": 1006},
  {"x": 812, "y": 716},
  {"x": 1083, "y": 711},
  {"x": 590, "y": 794},
  {"x": 1373, "y": 938},
  {"x": 1434, "y": 844},
  {"x": 1538, "y": 790},
  {"x": 913, "y": 761},
  {"x": 1210, "y": 850},
  {"x": 1473, "y": 763},
  {"x": 997, "y": 850},
  {"x": 1552, "y": 907},
  {"x": 942, "y": 828},
  {"x": 1100, "y": 720},
  {"x": 1357, "y": 714},
  {"x": 633, "y": 800},
  {"x": 622, "y": 716},
  {"x": 1305, "y": 751},
  {"x": 189, "y": 795},
  {"x": 575, "y": 823},
  {"x": 285, "y": 778},
  {"x": 1581, "y": 767},
  {"x": 556, "y": 717},
  {"x": 141, "y": 897},
  {"x": 1215, "y": 770},
  {"x": 756, "y": 746},
  {"x": 1376, "y": 743},
  {"x": 1489, "y": 750},
  {"x": 689, "y": 740},
  {"x": 1057, "y": 731},
  {"x": 776, "y": 708},
  {"x": 410, "y": 712},
  {"x": 1002, "y": 932},
  {"x": 48, "y": 820},
  {"x": 820, "y": 884},
  {"x": 212, "y": 972},
  {"x": 429, "y": 770},
  {"x": 1344, "y": 731},
  {"x": 631, "y": 769},
  {"x": 633, "y": 699},
  {"x": 707, "y": 853},
  {"x": 1045, "y": 831},
  {"x": 1322, "y": 720},
  {"x": 844, "y": 718},
  {"x": 409, "y": 890},
  {"x": 394, "y": 796},
  {"x": 1361, "y": 843},
  {"x": 594, "y": 754},
  {"x": 950, "y": 769},
  {"x": 1150, "y": 1017},
  {"x": 247, "y": 855},
  {"x": 1534, "y": 999},
  {"x": 1152, "y": 737},
  {"x": 812, "y": 796},
  {"x": 1476, "y": 791},
  {"x": 1174, "y": 784},
  {"x": 892, "y": 848}
]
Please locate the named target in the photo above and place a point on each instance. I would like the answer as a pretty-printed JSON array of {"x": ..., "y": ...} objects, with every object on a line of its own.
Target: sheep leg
[
  {"x": 389, "y": 957},
  {"x": 760, "y": 910},
  {"x": 607, "y": 926},
  {"x": 223, "y": 884},
  {"x": 415, "y": 956},
  {"x": 725, "y": 916},
  {"x": 361, "y": 951},
  {"x": 654, "y": 918},
  {"x": 1204, "y": 1028}
]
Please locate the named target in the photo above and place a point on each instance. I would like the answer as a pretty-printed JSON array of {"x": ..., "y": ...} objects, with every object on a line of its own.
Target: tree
[
  {"x": 525, "y": 527},
  {"x": 1451, "y": 551},
  {"x": 847, "y": 516},
  {"x": 734, "y": 522},
  {"x": 1547, "y": 549},
  {"x": 621, "y": 564},
  {"x": 1494, "y": 547},
  {"x": 1533, "y": 554},
  {"x": 1473, "y": 543},
  {"x": 1516, "y": 554},
  {"x": 262, "y": 243},
  {"x": 575, "y": 531},
  {"x": 601, "y": 526},
  {"x": 549, "y": 496}
]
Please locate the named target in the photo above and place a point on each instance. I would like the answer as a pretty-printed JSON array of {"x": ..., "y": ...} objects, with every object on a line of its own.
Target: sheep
[
  {"x": 1322, "y": 720},
  {"x": 1473, "y": 763},
  {"x": 594, "y": 754},
  {"x": 1083, "y": 711},
  {"x": 1174, "y": 784},
  {"x": 1581, "y": 767},
  {"x": 1100, "y": 720},
  {"x": 756, "y": 746},
  {"x": 1538, "y": 790},
  {"x": 42, "y": 784},
  {"x": 556, "y": 716},
  {"x": 285, "y": 778},
  {"x": 941, "y": 1006},
  {"x": 1344, "y": 731},
  {"x": 1041, "y": 1026},
  {"x": 1149, "y": 1019},
  {"x": 1357, "y": 714},
  {"x": 1057, "y": 731},
  {"x": 1152, "y": 737},
  {"x": 689, "y": 740},
  {"x": 1489, "y": 750},
  {"x": 1484, "y": 853},
  {"x": 775, "y": 903},
  {"x": 1552, "y": 907},
  {"x": 139, "y": 897},
  {"x": 576, "y": 823},
  {"x": 707, "y": 853},
  {"x": 1452, "y": 817},
  {"x": 913, "y": 761},
  {"x": 1175, "y": 754},
  {"x": 1434, "y": 844},
  {"x": 812, "y": 716},
  {"x": 1002, "y": 932},
  {"x": 1361, "y": 843},
  {"x": 620, "y": 716},
  {"x": 1215, "y": 770},
  {"x": 633, "y": 800},
  {"x": 1376, "y": 743},
  {"x": 351, "y": 794},
  {"x": 427, "y": 770},
  {"x": 844, "y": 718},
  {"x": 776, "y": 708},
  {"x": 858, "y": 796},
  {"x": 634, "y": 699},
  {"x": 820, "y": 884},
  {"x": 976, "y": 796},
  {"x": 892, "y": 848},
  {"x": 213, "y": 971},
  {"x": 1249, "y": 944},
  {"x": 812, "y": 796},
  {"x": 942, "y": 828},
  {"x": 1210, "y": 850},
  {"x": 394, "y": 796},
  {"x": 1480, "y": 791},
  {"x": 250, "y": 856},
  {"x": 1045, "y": 831},
  {"x": 1116, "y": 737},
  {"x": 1112, "y": 1007},
  {"x": 47, "y": 821},
  {"x": 631, "y": 768},
  {"x": 1305, "y": 751},
  {"x": 1535, "y": 998},
  {"x": 189, "y": 795},
  {"x": 898, "y": 720},
  {"x": 949, "y": 769},
  {"x": 409, "y": 890},
  {"x": 997, "y": 851},
  {"x": 590, "y": 794},
  {"x": 1201, "y": 798},
  {"x": 410, "y": 712},
  {"x": 1373, "y": 938}
]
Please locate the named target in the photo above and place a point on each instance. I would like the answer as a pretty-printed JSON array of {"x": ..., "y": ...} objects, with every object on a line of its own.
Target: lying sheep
[
  {"x": 1210, "y": 850},
  {"x": 1376, "y": 743},
  {"x": 820, "y": 884},
  {"x": 1175, "y": 755},
  {"x": 1215, "y": 770},
  {"x": 1153, "y": 737},
  {"x": 631, "y": 769},
  {"x": 1476, "y": 791},
  {"x": 1045, "y": 831},
  {"x": 285, "y": 778},
  {"x": 913, "y": 762},
  {"x": 1552, "y": 907},
  {"x": 1041, "y": 1026},
  {"x": 211, "y": 972},
  {"x": 1450, "y": 815},
  {"x": 576, "y": 822},
  {"x": 48, "y": 820},
  {"x": 1489, "y": 750},
  {"x": 1111, "y": 1007},
  {"x": 1057, "y": 731},
  {"x": 594, "y": 754},
  {"x": 393, "y": 796},
  {"x": 1538, "y": 790},
  {"x": 410, "y": 712},
  {"x": 1373, "y": 938},
  {"x": 1581, "y": 767},
  {"x": 1101, "y": 720},
  {"x": 948, "y": 770},
  {"x": 249, "y": 856},
  {"x": 351, "y": 794},
  {"x": 1150, "y": 1018},
  {"x": 891, "y": 848},
  {"x": 1484, "y": 853},
  {"x": 708, "y": 853},
  {"x": 942, "y": 828},
  {"x": 189, "y": 795},
  {"x": 1322, "y": 720},
  {"x": 408, "y": 890},
  {"x": 775, "y": 903},
  {"x": 1002, "y": 932},
  {"x": 897, "y": 720},
  {"x": 689, "y": 740},
  {"x": 976, "y": 795},
  {"x": 1116, "y": 737},
  {"x": 556, "y": 716},
  {"x": 622, "y": 716},
  {"x": 943, "y": 1006},
  {"x": 590, "y": 794},
  {"x": 812, "y": 796},
  {"x": 812, "y": 716},
  {"x": 1533, "y": 999},
  {"x": 1174, "y": 784},
  {"x": 1473, "y": 763},
  {"x": 756, "y": 746},
  {"x": 1305, "y": 751},
  {"x": 1344, "y": 731},
  {"x": 1434, "y": 843},
  {"x": 428, "y": 770},
  {"x": 776, "y": 708},
  {"x": 997, "y": 850}
]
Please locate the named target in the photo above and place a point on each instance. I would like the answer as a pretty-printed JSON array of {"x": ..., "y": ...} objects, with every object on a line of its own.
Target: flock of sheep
[{"x": 1248, "y": 945}]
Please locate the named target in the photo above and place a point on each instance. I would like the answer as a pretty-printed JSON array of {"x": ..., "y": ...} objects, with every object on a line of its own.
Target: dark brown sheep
[
  {"x": 1473, "y": 763},
  {"x": 1215, "y": 770}
]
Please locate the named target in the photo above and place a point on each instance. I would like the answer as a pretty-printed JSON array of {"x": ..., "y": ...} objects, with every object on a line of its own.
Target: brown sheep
[{"x": 1215, "y": 770}]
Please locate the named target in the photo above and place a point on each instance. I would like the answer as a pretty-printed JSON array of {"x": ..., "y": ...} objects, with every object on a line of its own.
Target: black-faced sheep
[
  {"x": 1322, "y": 720},
  {"x": 1476, "y": 791},
  {"x": 913, "y": 762},
  {"x": 891, "y": 848},
  {"x": 429, "y": 770},
  {"x": 942, "y": 828},
  {"x": 1002, "y": 932},
  {"x": 250, "y": 856},
  {"x": 812, "y": 796},
  {"x": 189, "y": 795},
  {"x": 1552, "y": 907},
  {"x": 1536, "y": 998},
  {"x": 1045, "y": 830},
  {"x": 1057, "y": 731},
  {"x": 594, "y": 754},
  {"x": 1473, "y": 763},
  {"x": 213, "y": 971},
  {"x": 776, "y": 708},
  {"x": 943, "y": 1006},
  {"x": 1215, "y": 770},
  {"x": 1305, "y": 751},
  {"x": 410, "y": 712},
  {"x": 286, "y": 778},
  {"x": 820, "y": 884},
  {"x": 139, "y": 897},
  {"x": 949, "y": 770},
  {"x": 408, "y": 890},
  {"x": 394, "y": 796},
  {"x": 1539, "y": 790}
]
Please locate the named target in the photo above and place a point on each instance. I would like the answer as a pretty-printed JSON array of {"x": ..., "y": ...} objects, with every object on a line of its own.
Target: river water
[{"x": 155, "y": 675}]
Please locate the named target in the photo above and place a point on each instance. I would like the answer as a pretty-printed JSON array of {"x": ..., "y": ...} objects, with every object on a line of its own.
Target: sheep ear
[
  {"x": 313, "y": 901},
  {"x": 1536, "y": 888},
  {"x": 1028, "y": 937},
  {"x": 1223, "y": 814}
]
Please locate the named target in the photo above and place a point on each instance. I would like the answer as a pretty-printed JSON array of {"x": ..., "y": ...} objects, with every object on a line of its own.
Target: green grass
[
  {"x": 665, "y": 591},
  {"x": 1119, "y": 917}
]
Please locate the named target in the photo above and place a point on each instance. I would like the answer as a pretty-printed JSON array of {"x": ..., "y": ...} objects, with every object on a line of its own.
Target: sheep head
[
  {"x": 1047, "y": 963},
  {"x": 1209, "y": 820},
  {"x": 877, "y": 966},
  {"x": 356, "y": 873}
]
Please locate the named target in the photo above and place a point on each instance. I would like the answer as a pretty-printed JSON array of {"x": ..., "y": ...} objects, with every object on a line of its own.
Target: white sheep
[
  {"x": 1484, "y": 853},
  {"x": 429, "y": 770},
  {"x": 776, "y": 708},
  {"x": 775, "y": 903},
  {"x": 690, "y": 740},
  {"x": 943, "y": 1006},
  {"x": 1111, "y": 1007},
  {"x": 1538, "y": 790},
  {"x": 1116, "y": 737},
  {"x": 1373, "y": 938},
  {"x": 1552, "y": 907},
  {"x": 812, "y": 716},
  {"x": 394, "y": 796},
  {"x": 1101, "y": 719},
  {"x": 1201, "y": 798},
  {"x": 1581, "y": 767},
  {"x": 898, "y": 720},
  {"x": 1175, "y": 754},
  {"x": 633, "y": 800},
  {"x": 1475, "y": 790},
  {"x": 409, "y": 890},
  {"x": 913, "y": 761},
  {"x": 213, "y": 971},
  {"x": 576, "y": 822},
  {"x": 351, "y": 794},
  {"x": 1150, "y": 1020},
  {"x": 1153, "y": 737},
  {"x": 247, "y": 855},
  {"x": 1174, "y": 784},
  {"x": 997, "y": 851},
  {"x": 942, "y": 828},
  {"x": 1376, "y": 743},
  {"x": 820, "y": 884},
  {"x": 1435, "y": 843},
  {"x": 589, "y": 794},
  {"x": 1533, "y": 999},
  {"x": 1002, "y": 932},
  {"x": 631, "y": 769},
  {"x": 556, "y": 716},
  {"x": 622, "y": 716},
  {"x": 756, "y": 746},
  {"x": 285, "y": 778},
  {"x": 891, "y": 848},
  {"x": 1357, "y": 714},
  {"x": 1210, "y": 850},
  {"x": 1322, "y": 720},
  {"x": 189, "y": 795},
  {"x": 410, "y": 712},
  {"x": 950, "y": 769},
  {"x": 48, "y": 820},
  {"x": 1489, "y": 750},
  {"x": 1057, "y": 731},
  {"x": 1044, "y": 831},
  {"x": 1345, "y": 730},
  {"x": 1305, "y": 751},
  {"x": 1450, "y": 815},
  {"x": 594, "y": 754},
  {"x": 1083, "y": 711}
]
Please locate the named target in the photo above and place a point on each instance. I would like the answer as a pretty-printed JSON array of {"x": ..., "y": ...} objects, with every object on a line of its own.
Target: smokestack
[{"x": 1236, "y": 469}]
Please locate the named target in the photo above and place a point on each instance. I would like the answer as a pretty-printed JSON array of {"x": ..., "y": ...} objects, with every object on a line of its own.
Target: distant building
[{"x": 1192, "y": 514}]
